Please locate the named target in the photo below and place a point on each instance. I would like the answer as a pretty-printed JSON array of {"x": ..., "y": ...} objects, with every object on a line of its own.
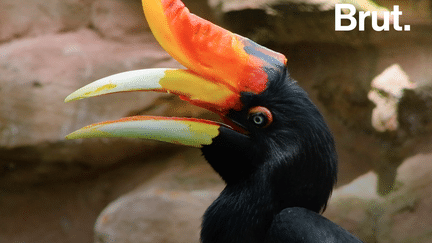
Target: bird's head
[{"x": 270, "y": 123}]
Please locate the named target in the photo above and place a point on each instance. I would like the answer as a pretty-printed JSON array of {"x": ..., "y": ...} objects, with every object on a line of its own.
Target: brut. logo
[{"x": 339, "y": 15}]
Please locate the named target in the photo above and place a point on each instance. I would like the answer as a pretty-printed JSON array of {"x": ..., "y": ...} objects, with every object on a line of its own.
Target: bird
[{"x": 273, "y": 149}]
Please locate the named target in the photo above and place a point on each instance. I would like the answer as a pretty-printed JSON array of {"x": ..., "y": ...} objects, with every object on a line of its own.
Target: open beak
[{"x": 220, "y": 67}]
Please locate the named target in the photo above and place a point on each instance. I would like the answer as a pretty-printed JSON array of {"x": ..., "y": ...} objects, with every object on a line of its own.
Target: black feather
[{"x": 306, "y": 226}]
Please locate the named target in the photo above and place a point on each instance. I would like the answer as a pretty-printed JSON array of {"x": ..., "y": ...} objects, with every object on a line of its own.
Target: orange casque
[{"x": 209, "y": 50}]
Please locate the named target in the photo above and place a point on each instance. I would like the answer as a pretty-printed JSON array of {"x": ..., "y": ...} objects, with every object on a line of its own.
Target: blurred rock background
[{"x": 373, "y": 88}]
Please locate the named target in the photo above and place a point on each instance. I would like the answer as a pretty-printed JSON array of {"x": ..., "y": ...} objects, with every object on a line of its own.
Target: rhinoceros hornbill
[{"x": 274, "y": 150}]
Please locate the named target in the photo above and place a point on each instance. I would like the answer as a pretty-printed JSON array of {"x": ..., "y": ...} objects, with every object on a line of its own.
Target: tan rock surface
[
  {"x": 169, "y": 208},
  {"x": 32, "y": 18},
  {"x": 402, "y": 216}
]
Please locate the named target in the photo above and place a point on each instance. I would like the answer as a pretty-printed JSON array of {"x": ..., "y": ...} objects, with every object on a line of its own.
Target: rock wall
[{"x": 52, "y": 190}]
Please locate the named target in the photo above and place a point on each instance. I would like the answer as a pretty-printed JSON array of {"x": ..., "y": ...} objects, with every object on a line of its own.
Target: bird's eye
[{"x": 260, "y": 116}]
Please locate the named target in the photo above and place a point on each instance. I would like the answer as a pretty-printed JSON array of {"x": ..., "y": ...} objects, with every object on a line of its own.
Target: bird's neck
[
  {"x": 242, "y": 213},
  {"x": 228, "y": 156},
  {"x": 245, "y": 209}
]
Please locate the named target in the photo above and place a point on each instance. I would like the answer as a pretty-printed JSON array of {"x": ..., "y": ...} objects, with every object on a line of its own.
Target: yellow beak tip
[
  {"x": 72, "y": 97},
  {"x": 71, "y": 136},
  {"x": 81, "y": 133}
]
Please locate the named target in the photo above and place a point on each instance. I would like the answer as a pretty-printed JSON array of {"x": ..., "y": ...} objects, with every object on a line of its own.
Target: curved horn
[{"x": 209, "y": 50}]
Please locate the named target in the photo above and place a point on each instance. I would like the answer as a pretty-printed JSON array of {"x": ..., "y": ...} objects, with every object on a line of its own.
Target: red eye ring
[{"x": 260, "y": 116}]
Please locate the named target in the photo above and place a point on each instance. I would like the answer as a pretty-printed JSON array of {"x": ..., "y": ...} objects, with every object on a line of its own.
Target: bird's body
[
  {"x": 299, "y": 225},
  {"x": 277, "y": 156}
]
